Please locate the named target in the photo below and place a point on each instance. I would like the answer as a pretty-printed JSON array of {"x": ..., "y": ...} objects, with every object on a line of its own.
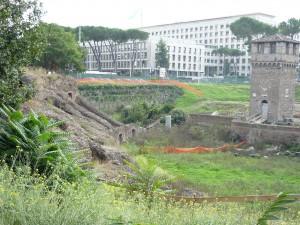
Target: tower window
[
  {"x": 260, "y": 48},
  {"x": 294, "y": 49},
  {"x": 287, "y": 49},
  {"x": 273, "y": 48}
]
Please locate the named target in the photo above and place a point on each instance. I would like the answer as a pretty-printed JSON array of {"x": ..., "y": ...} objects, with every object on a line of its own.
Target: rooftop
[
  {"x": 275, "y": 38},
  {"x": 217, "y": 18}
]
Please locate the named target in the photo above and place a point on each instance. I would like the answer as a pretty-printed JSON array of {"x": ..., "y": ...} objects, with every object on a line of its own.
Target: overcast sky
[{"x": 136, "y": 13}]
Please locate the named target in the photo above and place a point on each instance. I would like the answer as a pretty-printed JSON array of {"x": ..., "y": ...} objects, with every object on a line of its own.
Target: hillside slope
[{"x": 57, "y": 97}]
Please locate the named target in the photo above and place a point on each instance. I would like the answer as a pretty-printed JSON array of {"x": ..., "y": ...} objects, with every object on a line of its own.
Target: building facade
[
  {"x": 274, "y": 62},
  {"x": 212, "y": 33},
  {"x": 186, "y": 59}
]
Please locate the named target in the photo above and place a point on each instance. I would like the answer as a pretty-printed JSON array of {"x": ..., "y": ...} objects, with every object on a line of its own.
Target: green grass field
[
  {"x": 224, "y": 98},
  {"x": 223, "y": 174}
]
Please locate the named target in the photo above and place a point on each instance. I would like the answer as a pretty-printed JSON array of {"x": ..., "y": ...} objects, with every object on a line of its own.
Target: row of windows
[
  {"x": 139, "y": 55},
  {"x": 184, "y": 50},
  {"x": 289, "y": 48},
  {"x": 200, "y": 35},
  {"x": 121, "y": 64},
  {"x": 121, "y": 47},
  {"x": 186, "y": 66},
  {"x": 191, "y": 29},
  {"x": 184, "y": 58}
]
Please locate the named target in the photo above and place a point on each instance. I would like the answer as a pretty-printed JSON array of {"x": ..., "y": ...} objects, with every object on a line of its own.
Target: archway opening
[
  {"x": 120, "y": 138},
  {"x": 264, "y": 109},
  {"x": 133, "y": 132}
]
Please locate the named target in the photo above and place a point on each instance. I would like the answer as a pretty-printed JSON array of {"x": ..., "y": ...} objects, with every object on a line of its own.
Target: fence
[
  {"x": 221, "y": 80},
  {"x": 246, "y": 198}
]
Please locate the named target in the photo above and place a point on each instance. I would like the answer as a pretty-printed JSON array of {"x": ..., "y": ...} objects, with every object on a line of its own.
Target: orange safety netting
[
  {"x": 140, "y": 82},
  {"x": 198, "y": 149}
]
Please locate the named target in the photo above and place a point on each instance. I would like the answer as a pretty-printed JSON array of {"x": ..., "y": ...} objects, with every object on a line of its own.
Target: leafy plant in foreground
[
  {"x": 34, "y": 140},
  {"x": 277, "y": 206},
  {"x": 146, "y": 177}
]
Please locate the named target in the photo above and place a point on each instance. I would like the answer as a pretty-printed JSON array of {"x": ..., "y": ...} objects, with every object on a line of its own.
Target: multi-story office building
[
  {"x": 186, "y": 58},
  {"x": 190, "y": 45},
  {"x": 212, "y": 33}
]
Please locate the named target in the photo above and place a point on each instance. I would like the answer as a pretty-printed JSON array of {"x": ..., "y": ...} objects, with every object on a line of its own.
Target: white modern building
[
  {"x": 212, "y": 33},
  {"x": 186, "y": 58},
  {"x": 190, "y": 45}
]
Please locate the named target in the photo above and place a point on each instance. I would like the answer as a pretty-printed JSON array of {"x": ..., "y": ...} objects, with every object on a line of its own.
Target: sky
[{"x": 136, "y": 13}]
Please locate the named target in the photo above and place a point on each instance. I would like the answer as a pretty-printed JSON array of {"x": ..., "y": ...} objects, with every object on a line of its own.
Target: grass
[
  {"x": 224, "y": 98},
  {"x": 26, "y": 200},
  {"x": 224, "y": 174},
  {"x": 216, "y": 97}
]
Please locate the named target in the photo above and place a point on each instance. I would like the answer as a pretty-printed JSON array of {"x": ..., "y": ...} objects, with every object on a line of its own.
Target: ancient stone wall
[
  {"x": 265, "y": 133},
  {"x": 209, "y": 120}
]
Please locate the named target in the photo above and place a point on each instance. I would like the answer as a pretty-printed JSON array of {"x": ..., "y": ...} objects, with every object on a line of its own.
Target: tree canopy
[
  {"x": 290, "y": 28},
  {"x": 62, "y": 52},
  {"x": 161, "y": 57},
  {"x": 100, "y": 38},
  {"x": 247, "y": 28},
  {"x": 20, "y": 43}
]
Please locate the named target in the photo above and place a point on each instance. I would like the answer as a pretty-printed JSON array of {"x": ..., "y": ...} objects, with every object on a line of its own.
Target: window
[
  {"x": 287, "y": 48},
  {"x": 173, "y": 57},
  {"x": 273, "y": 48},
  {"x": 190, "y": 58},
  {"x": 184, "y": 58},
  {"x": 179, "y": 58},
  {"x": 294, "y": 49},
  {"x": 179, "y": 50},
  {"x": 178, "y": 66}
]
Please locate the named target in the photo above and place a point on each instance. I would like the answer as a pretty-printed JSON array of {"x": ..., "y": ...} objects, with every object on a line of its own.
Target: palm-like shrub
[
  {"x": 146, "y": 177},
  {"x": 35, "y": 140}
]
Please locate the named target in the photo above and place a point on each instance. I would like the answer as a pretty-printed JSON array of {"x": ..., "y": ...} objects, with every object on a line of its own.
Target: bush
[
  {"x": 146, "y": 177},
  {"x": 34, "y": 140},
  {"x": 12, "y": 91},
  {"x": 143, "y": 113},
  {"x": 178, "y": 117}
]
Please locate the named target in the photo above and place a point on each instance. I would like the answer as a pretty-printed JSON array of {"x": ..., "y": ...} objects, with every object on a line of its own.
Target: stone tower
[{"x": 274, "y": 60}]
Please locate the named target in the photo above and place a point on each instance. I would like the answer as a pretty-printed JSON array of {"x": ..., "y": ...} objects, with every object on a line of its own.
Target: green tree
[
  {"x": 114, "y": 38},
  {"x": 161, "y": 56},
  {"x": 290, "y": 28},
  {"x": 20, "y": 44},
  {"x": 134, "y": 36},
  {"x": 228, "y": 52},
  {"x": 247, "y": 28},
  {"x": 62, "y": 51},
  {"x": 95, "y": 38}
]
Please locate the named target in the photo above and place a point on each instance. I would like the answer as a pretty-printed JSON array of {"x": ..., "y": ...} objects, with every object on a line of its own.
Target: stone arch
[
  {"x": 120, "y": 138},
  {"x": 264, "y": 109},
  {"x": 70, "y": 94},
  {"x": 133, "y": 132}
]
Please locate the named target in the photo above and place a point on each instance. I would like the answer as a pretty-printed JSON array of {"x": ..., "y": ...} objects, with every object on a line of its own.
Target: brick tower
[{"x": 274, "y": 61}]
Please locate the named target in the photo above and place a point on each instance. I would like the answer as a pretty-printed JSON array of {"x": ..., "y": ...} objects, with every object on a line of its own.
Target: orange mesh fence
[{"x": 198, "y": 149}]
